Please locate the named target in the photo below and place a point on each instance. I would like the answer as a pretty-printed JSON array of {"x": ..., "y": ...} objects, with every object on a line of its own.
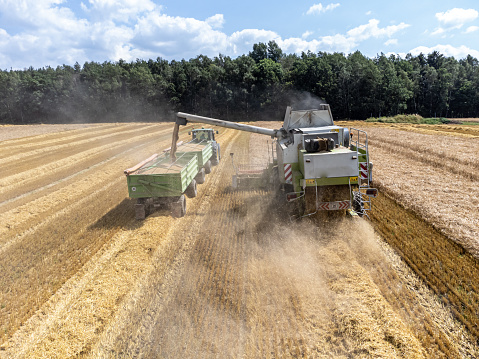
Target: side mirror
[
  {"x": 189, "y": 133},
  {"x": 217, "y": 132}
]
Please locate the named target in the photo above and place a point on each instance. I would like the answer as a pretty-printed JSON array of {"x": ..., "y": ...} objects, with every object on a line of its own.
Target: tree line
[{"x": 255, "y": 86}]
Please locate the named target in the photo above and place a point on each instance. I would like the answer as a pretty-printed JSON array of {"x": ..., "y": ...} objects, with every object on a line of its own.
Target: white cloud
[
  {"x": 368, "y": 13},
  {"x": 319, "y": 8},
  {"x": 340, "y": 42},
  {"x": 391, "y": 42},
  {"x": 169, "y": 36},
  {"x": 454, "y": 19},
  {"x": 141, "y": 30},
  {"x": 438, "y": 31},
  {"x": 241, "y": 42},
  {"x": 112, "y": 29},
  {"x": 296, "y": 45},
  {"x": 216, "y": 21},
  {"x": 471, "y": 29},
  {"x": 119, "y": 10},
  {"x": 306, "y": 34},
  {"x": 51, "y": 34},
  {"x": 39, "y": 14},
  {"x": 371, "y": 29},
  {"x": 446, "y": 50}
]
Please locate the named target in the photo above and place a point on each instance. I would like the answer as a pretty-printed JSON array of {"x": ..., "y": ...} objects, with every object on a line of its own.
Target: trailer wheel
[
  {"x": 141, "y": 209},
  {"x": 191, "y": 190},
  {"x": 215, "y": 159},
  {"x": 207, "y": 167},
  {"x": 201, "y": 176},
  {"x": 178, "y": 208}
]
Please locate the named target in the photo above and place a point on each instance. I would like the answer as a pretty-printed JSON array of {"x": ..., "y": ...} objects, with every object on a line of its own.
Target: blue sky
[{"x": 42, "y": 33}]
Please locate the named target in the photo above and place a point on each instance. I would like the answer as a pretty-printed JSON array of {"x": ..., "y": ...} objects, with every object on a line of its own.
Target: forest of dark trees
[{"x": 250, "y": 87}]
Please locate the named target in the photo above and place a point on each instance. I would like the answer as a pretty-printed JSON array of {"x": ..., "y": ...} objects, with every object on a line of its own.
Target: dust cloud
[
  {"x": 303, "y": 100},
  {"x": 87, "y": 107},
  {"x": 263, "y": 286}
]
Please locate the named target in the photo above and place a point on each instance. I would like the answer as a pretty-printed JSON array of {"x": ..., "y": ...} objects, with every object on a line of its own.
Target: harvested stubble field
[{"x": 80, "y": 277}]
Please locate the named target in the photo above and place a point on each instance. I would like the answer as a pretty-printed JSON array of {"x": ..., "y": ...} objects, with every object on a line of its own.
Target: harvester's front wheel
[
  {"x": 207, "y": 167},
  {"x": 178, "y": 208},
  {"x": 201, "y": 176},
  {"x": 358, "y": 205},
  {"x": 191, "y": 190}
]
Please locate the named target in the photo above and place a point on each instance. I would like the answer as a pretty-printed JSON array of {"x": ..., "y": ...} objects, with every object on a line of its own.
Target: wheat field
[
  {"x": 430, "y": 208},
  {"x": 80, "y": 277}
]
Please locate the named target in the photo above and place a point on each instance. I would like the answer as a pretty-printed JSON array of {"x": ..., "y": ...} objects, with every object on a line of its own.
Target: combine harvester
[
  {"x": 164, "y": 180},
  {"x": 320, "y": 166}
]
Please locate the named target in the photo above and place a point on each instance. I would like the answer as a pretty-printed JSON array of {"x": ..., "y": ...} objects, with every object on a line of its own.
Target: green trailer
[
  {"x": 158, "y": 182},
  {"x": 204, "y": 153},
  {"x": 165, "y": 180}
]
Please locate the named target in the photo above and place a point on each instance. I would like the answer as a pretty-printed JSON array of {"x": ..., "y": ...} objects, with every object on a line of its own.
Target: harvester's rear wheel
[
  {"x": 191, "y": 190},
  {"x": 207, "y": 167},
  {"x": 178, "y": 208},
  {"x": 201, "y": 176}
]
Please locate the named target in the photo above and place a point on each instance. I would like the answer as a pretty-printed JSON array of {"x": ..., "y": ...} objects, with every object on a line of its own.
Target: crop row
[
  {"x": 444, "y": 265},
  {"x": 45, "y": 238}
]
